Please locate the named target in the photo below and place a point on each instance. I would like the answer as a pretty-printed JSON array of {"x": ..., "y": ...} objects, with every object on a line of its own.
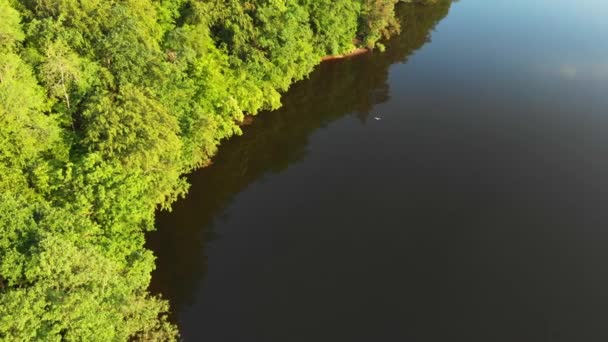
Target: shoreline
[
  {"x": 355, "y": 52},
  {"x": 248, "y": 118}
]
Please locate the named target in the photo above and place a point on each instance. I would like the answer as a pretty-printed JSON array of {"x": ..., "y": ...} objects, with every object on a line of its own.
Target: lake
[{"x": 452, "y": 188}]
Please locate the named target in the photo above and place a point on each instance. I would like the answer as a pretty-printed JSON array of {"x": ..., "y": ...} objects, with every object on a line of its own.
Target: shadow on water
[{"x": 275, "y": 140}]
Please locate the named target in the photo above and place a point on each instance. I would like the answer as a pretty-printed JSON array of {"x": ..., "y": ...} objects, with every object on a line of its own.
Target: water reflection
[
  {"x": 583, "y": 72},
  {"x": 270, "y": 145}
]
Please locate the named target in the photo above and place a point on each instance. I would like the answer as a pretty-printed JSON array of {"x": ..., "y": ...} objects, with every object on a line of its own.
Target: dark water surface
[{"x": 476, "y": 209}]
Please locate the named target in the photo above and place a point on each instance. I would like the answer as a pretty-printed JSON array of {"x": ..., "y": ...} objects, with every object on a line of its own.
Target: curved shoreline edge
[{"x": 355, "y": 52}]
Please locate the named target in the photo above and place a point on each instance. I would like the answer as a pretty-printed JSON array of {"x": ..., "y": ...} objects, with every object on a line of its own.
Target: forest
[{"x": 105, "y": 106}]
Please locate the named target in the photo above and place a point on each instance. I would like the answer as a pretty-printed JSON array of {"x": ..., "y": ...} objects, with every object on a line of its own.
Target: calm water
[{"x": 475, "y": 209}]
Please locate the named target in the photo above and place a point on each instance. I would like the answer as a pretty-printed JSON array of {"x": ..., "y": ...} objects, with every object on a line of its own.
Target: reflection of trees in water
[{"x": 271, "y": 144}]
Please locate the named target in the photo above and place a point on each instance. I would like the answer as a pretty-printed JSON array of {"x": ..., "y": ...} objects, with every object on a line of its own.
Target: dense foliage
[{"x": 104, "y": 105}]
